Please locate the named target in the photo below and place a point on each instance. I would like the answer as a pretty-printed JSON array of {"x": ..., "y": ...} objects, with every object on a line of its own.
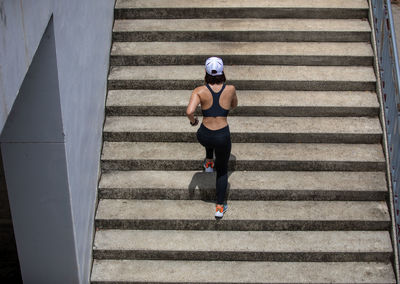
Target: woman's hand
[{"x": 195, "y": 122}]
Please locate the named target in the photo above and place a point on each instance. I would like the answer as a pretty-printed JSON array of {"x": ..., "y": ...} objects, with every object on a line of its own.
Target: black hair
[{"x": 215, "y": 79}]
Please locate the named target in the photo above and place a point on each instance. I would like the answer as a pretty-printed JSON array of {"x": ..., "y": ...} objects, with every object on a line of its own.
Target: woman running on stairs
[{"x": 216, "y": 99}]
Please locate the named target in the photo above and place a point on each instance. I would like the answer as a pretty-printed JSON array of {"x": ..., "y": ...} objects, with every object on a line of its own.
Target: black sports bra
[{"x": 215, "y": 110}]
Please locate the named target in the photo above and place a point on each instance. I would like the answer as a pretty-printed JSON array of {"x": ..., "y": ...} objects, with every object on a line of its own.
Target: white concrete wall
[
  {"x": 20, "y": 34},
  {"x": 82, "y": 32}
]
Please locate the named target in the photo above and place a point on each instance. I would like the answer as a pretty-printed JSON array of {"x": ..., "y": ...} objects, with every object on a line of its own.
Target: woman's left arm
[{"x": 191, "y": 108}]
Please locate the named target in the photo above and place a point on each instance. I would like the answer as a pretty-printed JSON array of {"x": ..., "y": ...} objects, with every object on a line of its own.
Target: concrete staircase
[{"x": 307, "y": 195}]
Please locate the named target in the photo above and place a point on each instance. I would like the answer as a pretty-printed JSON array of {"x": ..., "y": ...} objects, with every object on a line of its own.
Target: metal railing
[{"x": 388, "y": 66}]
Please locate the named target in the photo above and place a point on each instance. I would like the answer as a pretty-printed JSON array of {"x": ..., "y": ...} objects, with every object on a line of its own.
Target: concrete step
[
  {"x": 157, "y": 9},
  {"x": 242, "y": 53},
  {"x": 142, "y": 271},
  {"x": 350, "y": 30},
  {"x": 248, "y": 129},
  {"x": 290, "y": 246},
  {"x": 245, "y": 156},
  {"x": 251, "y": 103},
  {"x": 251, "y": 185},
  {"x": 242, "y": 215},
  {"x": 249, "y": 77}
]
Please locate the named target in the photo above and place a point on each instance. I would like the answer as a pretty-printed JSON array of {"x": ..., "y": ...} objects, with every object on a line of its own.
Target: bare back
[{"x": 227, "y": 100}]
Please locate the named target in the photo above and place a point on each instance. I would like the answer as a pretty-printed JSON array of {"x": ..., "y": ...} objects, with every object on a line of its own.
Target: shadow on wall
[{"x": 9, "y": 265}]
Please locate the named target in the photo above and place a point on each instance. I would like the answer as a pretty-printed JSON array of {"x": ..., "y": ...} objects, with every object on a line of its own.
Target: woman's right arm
[{"x": 191, "y": 108}]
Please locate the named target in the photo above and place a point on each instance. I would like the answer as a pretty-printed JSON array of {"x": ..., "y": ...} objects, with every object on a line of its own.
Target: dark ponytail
[{"x": 214, "y": 79}]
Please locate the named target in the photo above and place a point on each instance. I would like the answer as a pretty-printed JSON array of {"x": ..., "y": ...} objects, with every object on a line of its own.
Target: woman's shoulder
[
  {"x": 200, "y": 89},
  {"x": 230, "y": 88}
]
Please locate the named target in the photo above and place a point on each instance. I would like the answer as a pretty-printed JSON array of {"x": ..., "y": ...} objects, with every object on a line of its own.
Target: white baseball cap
[{"x": 214, "y": 66}]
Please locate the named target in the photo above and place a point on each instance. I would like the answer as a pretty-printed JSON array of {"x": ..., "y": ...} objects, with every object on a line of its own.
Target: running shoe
[
  {"x": 220, "y": 210},
  {"x": 208, "y": 166}
]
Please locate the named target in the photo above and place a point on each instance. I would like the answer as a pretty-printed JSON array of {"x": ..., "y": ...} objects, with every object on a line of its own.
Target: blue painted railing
[{"x": 389, "y": 72}]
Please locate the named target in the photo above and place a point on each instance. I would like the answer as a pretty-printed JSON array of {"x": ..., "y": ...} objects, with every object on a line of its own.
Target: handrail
[{"x": 389, "y": 86}]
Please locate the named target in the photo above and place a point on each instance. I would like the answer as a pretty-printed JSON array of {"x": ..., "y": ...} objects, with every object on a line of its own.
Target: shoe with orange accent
[
  {"x": 208, "y": 166},
  {"x": 220, "y": 210}
]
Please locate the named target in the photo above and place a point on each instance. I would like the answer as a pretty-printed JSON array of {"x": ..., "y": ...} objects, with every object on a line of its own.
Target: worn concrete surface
[
  {"x": 240, "y": 272},
  {"x": 238, "y": 9},
  {"x": 236, "y": 241},
  {"x": 262, "y": 103},
  {"x": 357, "y": 181},
  {"x": 250, "y": 29},
  {"x": 244, "y": 185},
  {"x": 245, "y": 151},
  {"x": 121, "y": 209},
  {"x": 241, "y": 216},
  {"x": 348, "y": 125},
  {"x": 248, "y": 129},
  {"x": 327, "y": 181},
  {"x": 237, "y": 25},
  {"x": 242, "y": 72},
  {"x": 251, "y": 77},
  {"x": 241, "y": 12},
  {"x": 238, "y": 3},
  {"x": 223, "y": 49},
  {"x": 344, "y": 212},
  {"x": 245, "y": 156},
  {"x": 235, "y": 53},
  {"x": 170, "y": 98}
]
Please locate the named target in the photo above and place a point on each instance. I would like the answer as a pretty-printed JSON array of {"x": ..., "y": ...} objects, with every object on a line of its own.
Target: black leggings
[{"x": 220, "y": 142}]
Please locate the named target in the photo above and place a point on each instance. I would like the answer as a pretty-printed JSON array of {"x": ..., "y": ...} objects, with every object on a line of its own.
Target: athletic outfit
[{"x": 218, "y": 141}]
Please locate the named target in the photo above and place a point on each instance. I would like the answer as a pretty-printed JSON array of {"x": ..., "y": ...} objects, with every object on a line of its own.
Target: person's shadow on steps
[{"x": 202, "y": 185}]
